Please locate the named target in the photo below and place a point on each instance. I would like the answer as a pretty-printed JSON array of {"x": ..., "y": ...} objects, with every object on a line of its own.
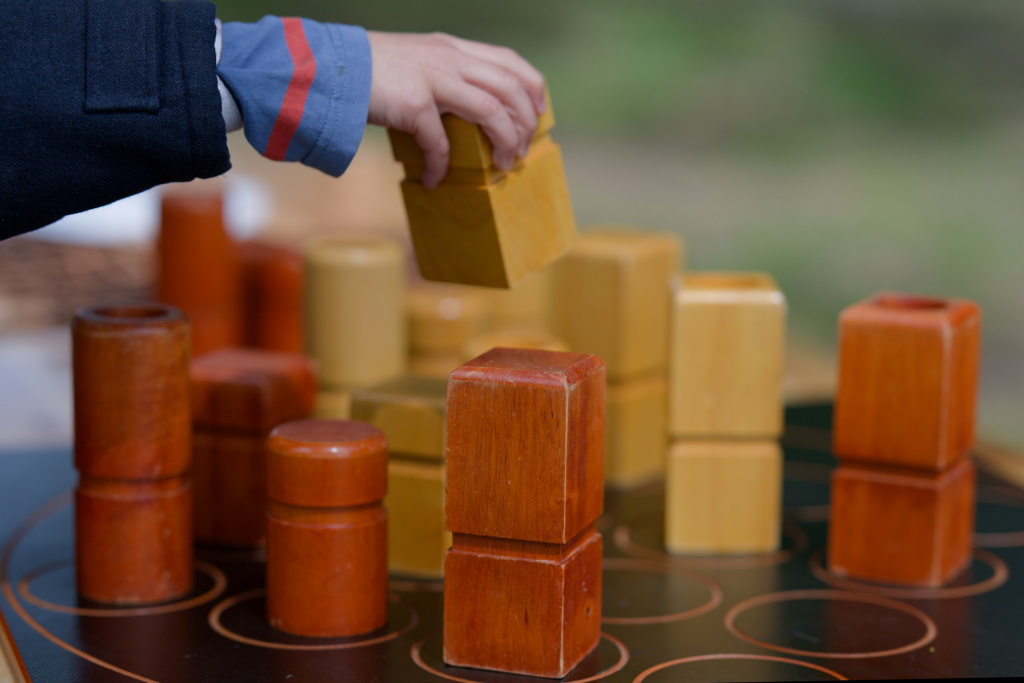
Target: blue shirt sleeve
[{"x": 303, "y": 88}]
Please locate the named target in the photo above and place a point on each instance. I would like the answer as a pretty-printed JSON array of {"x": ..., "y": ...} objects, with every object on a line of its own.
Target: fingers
[
  {"x": 506, "y": 87},
  {"x": 477, "y": 105},
  {"x": 532, "y": 80},
  {"x": 430, "y": 136}
]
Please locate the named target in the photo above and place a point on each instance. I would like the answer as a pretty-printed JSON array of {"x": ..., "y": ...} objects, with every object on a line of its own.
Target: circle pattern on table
[
  {"x": 661, "y": 571},
  {"x": 721, "y": 674}
]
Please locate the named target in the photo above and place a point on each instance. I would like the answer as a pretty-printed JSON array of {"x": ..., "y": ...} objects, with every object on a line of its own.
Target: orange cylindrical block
[
  {"x": 131, "y": 391},
  {"x": 273, "y": 290},
  {"x": 326, "y": 528},
  {"x": 198, "y": 269},
  {"x": 133, "y": 540},
  {"x": 133, "y": 452}
]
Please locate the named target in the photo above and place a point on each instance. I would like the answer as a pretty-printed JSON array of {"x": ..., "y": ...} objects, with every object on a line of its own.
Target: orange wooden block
[
  {"x": 251, "y": 390},
  {"x": 908, "y": 378},
  {"x": 511, "y": 339},
  {"x": 326, "y": 529},
  {"x": 522, "y": 608},
  {"x": 132, "y": 452},
  {"x": 273, "y": 297},
  {"x": 901, "y": 526},
  {"x": 525, "y": 445},
  {"x": 198, "y": 269},
  {"x": 229, "y": 481}
]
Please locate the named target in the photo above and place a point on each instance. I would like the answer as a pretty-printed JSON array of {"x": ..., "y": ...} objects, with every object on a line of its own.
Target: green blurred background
[{"x": 846, "y": 146}]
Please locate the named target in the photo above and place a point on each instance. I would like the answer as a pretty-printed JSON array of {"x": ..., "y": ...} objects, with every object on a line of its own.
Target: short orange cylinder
[
  {"x": 133, "y": 452},
  {"x": 326, "y": 529}
]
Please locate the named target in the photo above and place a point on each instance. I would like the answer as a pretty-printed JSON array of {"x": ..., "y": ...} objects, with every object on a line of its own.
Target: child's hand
[{"x": 418, "y": 77}]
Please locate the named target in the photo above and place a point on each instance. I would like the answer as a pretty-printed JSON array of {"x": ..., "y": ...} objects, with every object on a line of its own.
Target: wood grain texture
[
  {"x": 251, "y": 390},
  {"x": 410, "y": 410},
  {"x": 511, "y": 339},
  {"x": 908, "y": 379},
  {"x": 727, "y": 347},
  {"x": 355, "y": 311},
  {"x": 723, "y": 497},
  {"x": 133, "y": 503},
  {"x": 611, "y": 298},
  {"x": 493, "y": 235},
  {"x": 326, "y": 528},
  {"x": 229, "y": 482},
  {"x": 417, "y": 539},
  {"x": 199, "y": 270},
  {"x": 272, "y": 289},
  {"x": 901, "y": 526},
  {"x": 525, "y": 445},
  {"x": 636, "y": 431},
  {"x": 443, "y": 316},
  {"x": 537, "y": 615}
]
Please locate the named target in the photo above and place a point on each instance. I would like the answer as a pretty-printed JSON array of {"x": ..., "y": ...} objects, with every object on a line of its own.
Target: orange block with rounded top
[
  {"x": 908, "y": 378},
  {"x": 525, "y": 445},
  {"x": 132, "y": 451},
  {"x": 198, "y": 268},
  {"x": 251, "y": 390},
  {"x": 327, "y": 529},
  {"x": 273, "y": 290},
  {"x": 901, "y": 526}
]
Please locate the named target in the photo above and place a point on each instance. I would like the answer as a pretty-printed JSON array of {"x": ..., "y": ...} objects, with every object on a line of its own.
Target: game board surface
[{"x": 778, "y": 617}]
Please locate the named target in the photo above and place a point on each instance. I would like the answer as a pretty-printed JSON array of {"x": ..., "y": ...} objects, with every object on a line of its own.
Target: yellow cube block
[
  {"x": 723, "y": 497},
  {"x": 333, "y": 405},
  {"x": 410, "y": 410},
  {"x": 635, "y": 431},
  {"x": 417, "y": 538}
]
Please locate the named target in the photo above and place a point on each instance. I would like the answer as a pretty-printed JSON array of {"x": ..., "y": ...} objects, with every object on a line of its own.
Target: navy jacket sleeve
[{"x": 101, "y": 99}]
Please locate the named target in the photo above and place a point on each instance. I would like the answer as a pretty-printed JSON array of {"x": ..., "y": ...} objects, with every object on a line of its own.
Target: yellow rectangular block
[
  {"x": 527, "y": 306},
  {"x": 332, "y": 405},
  {"x": 417, "y": 538},
  {"x": 635, "y": 431},
  {"x": 410, "y": 410},
  {"x": 727, "y": 344},
  {"x": 612, "y": 298},
  {"x": 723, "y": 497},
  {"x": 493, "y": 235}
]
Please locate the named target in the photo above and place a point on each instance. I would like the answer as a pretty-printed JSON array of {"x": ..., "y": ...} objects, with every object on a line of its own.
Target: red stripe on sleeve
[{"x": 298, "y": 88}]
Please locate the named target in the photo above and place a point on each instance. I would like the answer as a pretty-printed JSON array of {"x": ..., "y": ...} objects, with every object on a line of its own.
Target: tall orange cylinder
[
  {"x": 327, "y": 529},
  {"x": 133, "y": 503}
]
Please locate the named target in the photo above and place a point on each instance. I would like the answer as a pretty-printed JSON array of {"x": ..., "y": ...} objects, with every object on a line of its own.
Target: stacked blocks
[
  {"x": 482, "y": 226},
  {"x": 612, "y": 299},
  {"x": 238, "y": 396},
  {"x": 411, "y": 411},
  {"x": 903, "y": 495},
  {"x": 724, "y": 471},
  {"x": 525, "y": 445}
]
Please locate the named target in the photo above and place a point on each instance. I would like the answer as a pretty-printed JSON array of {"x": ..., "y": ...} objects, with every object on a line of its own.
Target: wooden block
[
  {"x": 272, "y": 285},
  {"x": 250, "y": 390},
  {"x": 229, "y": 477},
  {"x": 442, "y": 317},
  {"x": 908, "y": 381},
  {"x": 527, "y": 306},
  {"x": 522, "y": 608},
  {"x": 333, "y": 405},
  {"x": 411, "y": 411},
  {"x": 133, "y": 504},
  {"x": 326, "y": 530},
  {"x": 198, "y": 269},
  {"x": 611, "y": 298},
  {"x": 493, "y": 235},
  {"x": 511, "y": 339},
  {"x": 525, "y": 445},
  {"x": 901, "y": 526},
  {"x": 355, "y": 311},
  {"x": 417, "y": 539},
  {"x": 723, "y": 497},
  {"x": 637, "y": 414},
  {"x": 435, "y": 367},
  {"x": 727, "y": 344}
]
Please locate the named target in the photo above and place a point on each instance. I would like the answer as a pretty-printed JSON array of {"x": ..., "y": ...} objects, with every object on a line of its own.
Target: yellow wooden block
[
  {"x": 443, "y": 316},
  {"x": 611, "y": 298},
  {"x": 410, "y": 411},
  {"x": 333, "y": 405},
  {"x": 470, "y": 150},
  {"x": 417, "y": 538},
  {"x": 723, "y": 497},
  {"x": 493, "y": 235},
  {"x": 727, "y": 348},
  {"x": 438, "y": 367},
  {"x": 511, "y": 339},
  {"x": 355, "y": 311},
  {"x": 527, "y": 306},
  {"x": 635, "y": 431}
]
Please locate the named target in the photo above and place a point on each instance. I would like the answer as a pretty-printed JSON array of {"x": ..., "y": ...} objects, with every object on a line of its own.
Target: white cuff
[{"x": 229, "y": 110}]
